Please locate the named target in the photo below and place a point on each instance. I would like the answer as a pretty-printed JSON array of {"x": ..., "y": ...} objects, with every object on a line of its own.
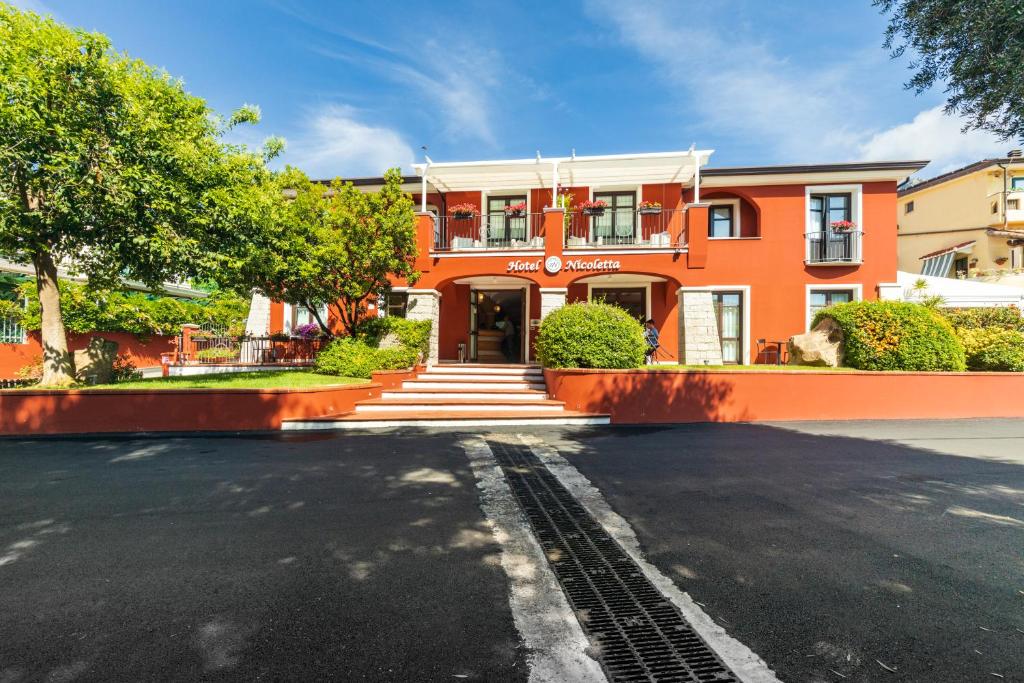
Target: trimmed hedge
[
  {"x": 1003, "y": 317},
  {"x": 993, "y": 348},
  {"x": 350, "y": 357},
  {"x": 591, "y": 335},
  {"x": 360, "y": 356},
  {"x": 895, "y": 335}
]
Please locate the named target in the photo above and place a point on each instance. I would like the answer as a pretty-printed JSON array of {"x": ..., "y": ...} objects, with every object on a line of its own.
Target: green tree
[
  {"x": 974, "y": 47},
  {"x": 112, "y": 169},
  {"x": 337, "y": 246}
]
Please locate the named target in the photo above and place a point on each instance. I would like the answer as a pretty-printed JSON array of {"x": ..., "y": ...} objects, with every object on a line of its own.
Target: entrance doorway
[{"x": 496, "y": 333}]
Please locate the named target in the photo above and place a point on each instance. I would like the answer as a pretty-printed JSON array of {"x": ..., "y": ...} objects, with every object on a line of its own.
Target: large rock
[
  {"x": 95, "y": 363},
  {"x": 822, "y": 346}
]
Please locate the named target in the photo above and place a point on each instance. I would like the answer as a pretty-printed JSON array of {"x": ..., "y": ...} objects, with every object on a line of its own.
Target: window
[
  {"x": 1017, "y": 182},
  {"x": 722, "y": 223},
  {"x": 10, "y": 331},
  {"x": 396, "y": 305},
  {"x": 618, "y": 224},
  {"x": 825, "y": 244},
  {"x": 961, "y": 266},
  {"x": 729, "y": 312},
  {"x": 502, "y": 228},
  {"x": 908, "y": 207},
  {"x": 823, "y": 298},
  {"x": 302, "y": 316},
  {"x": 1012, "y": 204},
  {"x": 1016, "y": 257},
  {"x": 633, "y": 299},
  {"x": 995, "y": 207}
]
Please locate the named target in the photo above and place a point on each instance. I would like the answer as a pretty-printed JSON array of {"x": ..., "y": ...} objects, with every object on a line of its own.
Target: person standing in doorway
[
  {"x": 651, "y": 337},
  {"x": 508, "y": 330}
]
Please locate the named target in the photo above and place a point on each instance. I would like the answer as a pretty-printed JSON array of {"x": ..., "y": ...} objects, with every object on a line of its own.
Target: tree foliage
[
  {"x": 111, "y": 168},
  {"x": 974, "y": 47},
  {"x": 86, "y": 310},
  {"x": 336, "y": 246}
]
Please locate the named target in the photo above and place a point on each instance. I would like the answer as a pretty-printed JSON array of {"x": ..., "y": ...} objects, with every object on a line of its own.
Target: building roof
[
  {"x": 959, "y": 173},
  {"x": 955, "y": 247},
  {"x": 916, "y": 165}
]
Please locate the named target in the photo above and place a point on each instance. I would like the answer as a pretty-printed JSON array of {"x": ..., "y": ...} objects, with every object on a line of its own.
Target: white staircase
[{"x": 465, "y": 395}]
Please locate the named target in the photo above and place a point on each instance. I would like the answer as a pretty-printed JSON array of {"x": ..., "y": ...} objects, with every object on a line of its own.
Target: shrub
[
  {"x": 350, "y": 357},
  {"x": 124, "y": 370},
  {"x": 1004, "y": 317},
  {"x": 895, "y": 335},
  {"x": 591, "y": 335},
  {"x": 993, "y": 348},
  {"x": 413, "y": 334}
]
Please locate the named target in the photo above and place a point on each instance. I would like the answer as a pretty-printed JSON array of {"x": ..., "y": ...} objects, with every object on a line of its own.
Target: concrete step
[
  {"x": 388, "y": 420},
  {"x": 473, "y": 384},
  {"x": 509, "y": 394},
  {"x": 479, "y": 375},
  {"x": 418, "y": 405},
  {"x": 478, "y": 369}
]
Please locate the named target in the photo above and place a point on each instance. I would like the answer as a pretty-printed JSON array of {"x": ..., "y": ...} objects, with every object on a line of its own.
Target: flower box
[
  {"x": 593, "y": 208},
  {"x": 649, "y": 208},
  {"x": 517, "y": 210},
  {"x": 843, "y": 226},
  {"x": 463, "y": 211}
]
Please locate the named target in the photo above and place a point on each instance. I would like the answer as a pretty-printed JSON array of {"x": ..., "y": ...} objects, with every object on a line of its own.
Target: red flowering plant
[
  {"x": 646, "y": 204},
  {"x": 515, "y": 209},
  {"x": 843, "y": 226},
  {"x": 593, "y": 204},
  {"x": 466, "y": 210}
]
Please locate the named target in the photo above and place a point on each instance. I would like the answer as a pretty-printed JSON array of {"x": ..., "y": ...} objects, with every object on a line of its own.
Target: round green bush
[
  {"x": 993, "y": 348},
  {"x": 590, "y": 335},
  {"x": 349, "y": 357},
  {"x": 895, "y": 335}
]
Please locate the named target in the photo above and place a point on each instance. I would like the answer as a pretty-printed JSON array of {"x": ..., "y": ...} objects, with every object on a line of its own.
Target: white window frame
[
  {"x": 737, "y": 229},
  {"x": 856, "y": 193},
  {"x": 747, "y": 306},
  {"x": 856, "y": 287}
]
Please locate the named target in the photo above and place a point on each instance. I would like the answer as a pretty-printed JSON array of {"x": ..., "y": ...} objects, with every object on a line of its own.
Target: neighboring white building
[{"x": 955, "y": 293}]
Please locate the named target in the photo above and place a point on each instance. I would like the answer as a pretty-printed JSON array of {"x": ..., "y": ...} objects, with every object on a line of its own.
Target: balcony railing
[
  {"x": 493, "y": 231},
  {"x": 617, "y": 228},
  {"x": 206, "y": 350},
  {"x": 11, "y": 331},
  {"x": 833, "y": 247}
]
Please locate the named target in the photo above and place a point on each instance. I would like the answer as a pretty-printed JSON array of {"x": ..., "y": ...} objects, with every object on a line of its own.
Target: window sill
[{"x": 834, "y": 264}]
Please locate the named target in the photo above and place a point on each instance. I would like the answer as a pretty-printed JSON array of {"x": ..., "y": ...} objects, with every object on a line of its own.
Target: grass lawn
[
  {"x": 761, "y": 368},
  {"x": 271, "y": 379}
]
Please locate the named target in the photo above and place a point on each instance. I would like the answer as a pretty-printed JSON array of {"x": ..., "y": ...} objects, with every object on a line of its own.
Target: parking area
[{"x": 835, "y": 551}]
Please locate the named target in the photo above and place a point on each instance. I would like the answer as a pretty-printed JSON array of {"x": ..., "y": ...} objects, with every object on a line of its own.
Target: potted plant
[
  {"x": 649, "y": 208},
  {"x": 307, "y": 331},
  {"x": 515, "y": 210},
  {"x": 593, "y": 208},
  {"x": 463, "y": 211},
  {"x": 843, "y": 226},
  {"x": 1001, "y": 260}
]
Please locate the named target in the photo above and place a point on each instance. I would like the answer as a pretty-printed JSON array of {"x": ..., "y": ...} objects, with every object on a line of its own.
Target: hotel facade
[{"x": 728, "y": 262}]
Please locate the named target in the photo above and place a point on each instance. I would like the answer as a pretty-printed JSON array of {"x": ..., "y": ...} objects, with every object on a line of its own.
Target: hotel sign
[{"x": 554, "y": 264}]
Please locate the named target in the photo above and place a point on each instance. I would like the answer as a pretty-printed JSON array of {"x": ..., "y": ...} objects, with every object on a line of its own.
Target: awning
[
  {"x": 588, "y": 171},
  {"x": 938, "y": 263}
]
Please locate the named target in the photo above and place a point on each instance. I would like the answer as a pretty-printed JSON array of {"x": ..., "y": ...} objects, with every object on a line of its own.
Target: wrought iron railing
[
  {"x": 661, "y": 228},
  {"x": 11, "y": 331},
  {"x": 209, "y": 349},
  {"x": 489, "y": 231},
  {"x": 833, "y": 246}
]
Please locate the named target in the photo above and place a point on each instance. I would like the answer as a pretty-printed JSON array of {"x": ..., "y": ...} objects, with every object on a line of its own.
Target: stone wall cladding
[
  {"x": 698, "y": 329},
  {"x": 426, "y": 305}
]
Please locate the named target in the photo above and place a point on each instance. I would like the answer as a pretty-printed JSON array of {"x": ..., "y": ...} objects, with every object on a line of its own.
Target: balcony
[
  {"x": 833, "y": 248},
  {"x": 497, "y": 231},
  {"x": 625, "y": 229}
]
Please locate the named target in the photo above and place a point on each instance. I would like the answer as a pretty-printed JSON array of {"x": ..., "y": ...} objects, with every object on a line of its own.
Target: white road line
[
  {"x": 556, "y": 643},
  {"x": 743, "y": 661}
]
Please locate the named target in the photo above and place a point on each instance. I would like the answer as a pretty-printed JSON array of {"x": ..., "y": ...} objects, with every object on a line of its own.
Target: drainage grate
[{"x": 640, "y": 635}]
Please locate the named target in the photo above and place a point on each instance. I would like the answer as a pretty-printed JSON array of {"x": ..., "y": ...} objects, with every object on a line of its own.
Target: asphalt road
[
  {"x": 835, "y": 547},
  {"x": 829, "y": 549},
  {"x": 355, "y": 558}
]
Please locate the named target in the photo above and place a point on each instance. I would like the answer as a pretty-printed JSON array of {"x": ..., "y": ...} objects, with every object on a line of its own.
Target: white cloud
[
  {"x": 933, "y": 135},
  {"x": 336, "y": 143},
  {"x": 31, "y": 6}
]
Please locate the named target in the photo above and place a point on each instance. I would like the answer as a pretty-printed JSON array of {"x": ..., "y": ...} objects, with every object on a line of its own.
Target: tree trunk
[
  {"x": 58, "y": 363},
  {"x": 315, "y": 312}
]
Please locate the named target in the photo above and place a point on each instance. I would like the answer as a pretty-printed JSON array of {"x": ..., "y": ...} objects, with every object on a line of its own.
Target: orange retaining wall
[
  {"x": 144, "y": 354},
  {"x": 671, "y": 396},
  {"x": 91, "y": 411}
]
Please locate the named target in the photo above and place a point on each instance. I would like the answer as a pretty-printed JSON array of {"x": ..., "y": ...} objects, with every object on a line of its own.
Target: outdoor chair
[{"x": 770, "y": 353}]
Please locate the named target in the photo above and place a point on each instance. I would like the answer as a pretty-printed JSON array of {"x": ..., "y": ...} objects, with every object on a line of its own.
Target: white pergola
[{"x": 571, "y": 171}]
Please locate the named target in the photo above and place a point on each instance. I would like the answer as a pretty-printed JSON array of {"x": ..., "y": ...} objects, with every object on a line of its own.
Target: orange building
[{"x": 728, "y": 262}]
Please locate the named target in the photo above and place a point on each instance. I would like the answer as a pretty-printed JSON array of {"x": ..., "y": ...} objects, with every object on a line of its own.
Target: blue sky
[{"x": 355, "y": 87}]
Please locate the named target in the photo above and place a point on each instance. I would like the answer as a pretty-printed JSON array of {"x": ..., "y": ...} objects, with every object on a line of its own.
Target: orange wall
[
  {"x": 671, "y": 396},
  {"x": 143, "y": 352}
]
